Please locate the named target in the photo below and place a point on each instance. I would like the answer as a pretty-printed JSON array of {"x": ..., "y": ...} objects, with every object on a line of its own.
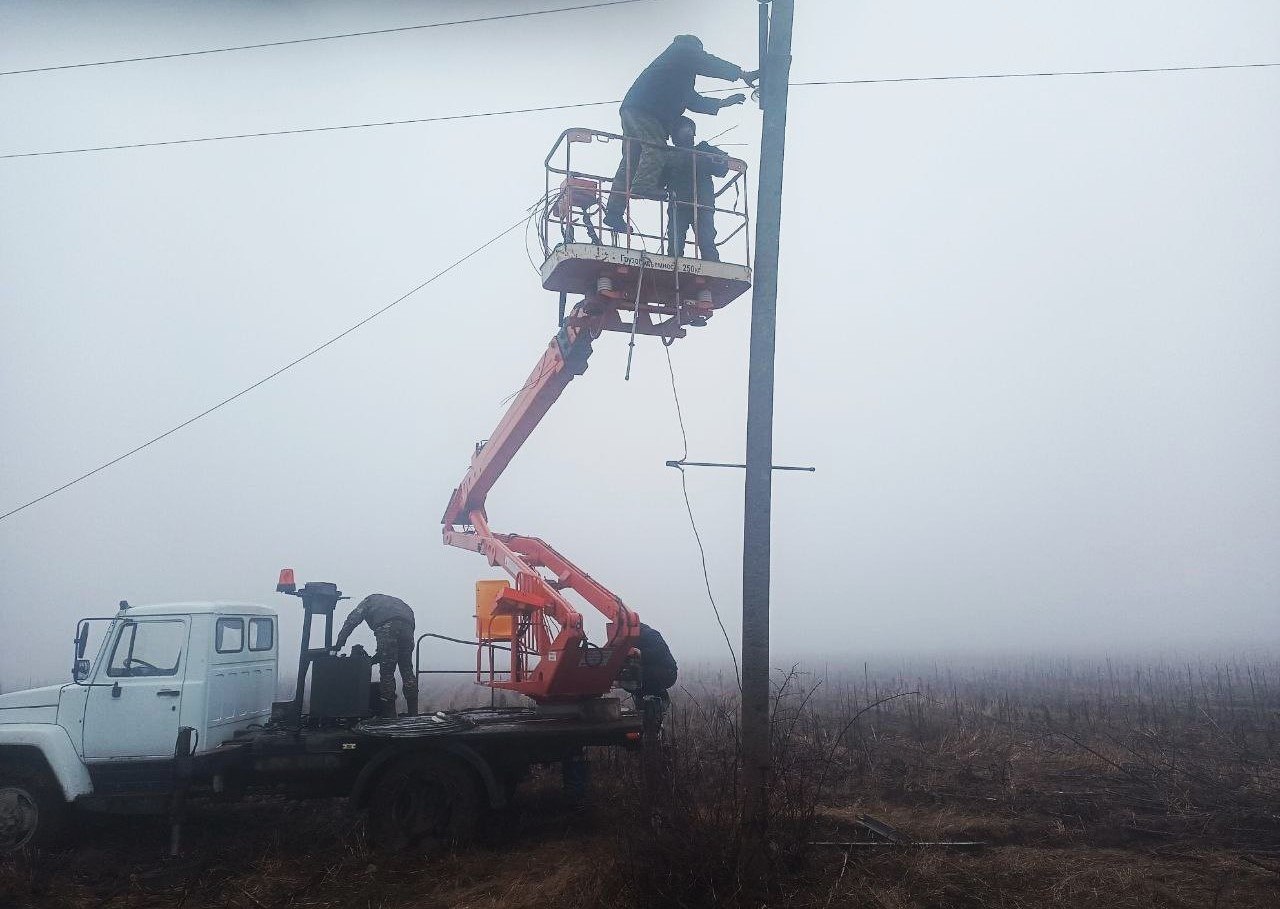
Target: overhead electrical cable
[
  {"x": 284, "y": 43},
  {"x": 265, "y": 379},
  {"x": 523, "y": 218},
  {"x": 1065, "y": 72},
  {"x": 697, "y": 536},
  {"x": 553, "y": 107},
  {"x": 310, "y": 129}
]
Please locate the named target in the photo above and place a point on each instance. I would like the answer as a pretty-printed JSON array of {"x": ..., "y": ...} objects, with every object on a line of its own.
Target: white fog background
[{"x": 1028, "y": 328}]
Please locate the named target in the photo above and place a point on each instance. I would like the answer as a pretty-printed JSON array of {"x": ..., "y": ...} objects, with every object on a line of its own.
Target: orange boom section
[{"x": 623, "y": 289}]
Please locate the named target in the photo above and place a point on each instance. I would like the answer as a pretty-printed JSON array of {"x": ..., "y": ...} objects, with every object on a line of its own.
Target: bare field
[{"x": 1091, "y": 784}]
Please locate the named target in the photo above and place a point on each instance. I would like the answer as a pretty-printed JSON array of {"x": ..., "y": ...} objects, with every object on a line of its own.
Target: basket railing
[{"x": 575, "y": 194}]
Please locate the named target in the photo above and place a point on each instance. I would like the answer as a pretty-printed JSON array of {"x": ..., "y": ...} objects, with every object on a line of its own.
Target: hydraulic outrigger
[{"x": 551, "y": 659}]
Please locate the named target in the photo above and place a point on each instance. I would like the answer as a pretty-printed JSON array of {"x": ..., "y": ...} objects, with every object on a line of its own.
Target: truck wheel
[
  {"x": 32, "y": 812},
  {"x": 425, "y": 802}
]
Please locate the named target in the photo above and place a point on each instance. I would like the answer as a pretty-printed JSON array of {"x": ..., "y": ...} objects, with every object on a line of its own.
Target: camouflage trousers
[
  {"x": 395, "y": 648},
  {"x": 642, "y": 163}
]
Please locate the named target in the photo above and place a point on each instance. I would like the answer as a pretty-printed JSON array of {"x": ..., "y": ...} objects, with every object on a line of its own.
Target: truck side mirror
[{"x": 80, "y": 666}]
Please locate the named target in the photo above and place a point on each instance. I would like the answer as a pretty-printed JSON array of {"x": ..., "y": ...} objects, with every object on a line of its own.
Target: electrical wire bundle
[{"x": 414, "y": 727}]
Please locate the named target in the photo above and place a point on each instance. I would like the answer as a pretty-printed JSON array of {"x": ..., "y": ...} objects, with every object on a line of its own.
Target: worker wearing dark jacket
[
  {"x": 657, "y": 99},
  {"x": 392, "y": 622},
  {"x": 658, "y": 670},
  {"x": 688, "y": 177}
]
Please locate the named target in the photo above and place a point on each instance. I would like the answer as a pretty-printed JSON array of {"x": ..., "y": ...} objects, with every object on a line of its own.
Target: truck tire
[
  {"x": 426, "y": 802},
  {"x": 33, "y": 813}
]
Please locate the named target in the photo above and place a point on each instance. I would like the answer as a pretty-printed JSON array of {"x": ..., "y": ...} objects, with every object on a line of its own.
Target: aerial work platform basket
[{"x": 636, "y": 269}]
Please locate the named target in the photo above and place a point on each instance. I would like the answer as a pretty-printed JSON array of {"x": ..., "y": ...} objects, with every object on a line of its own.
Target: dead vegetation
[{"x": 1094, "y": 785}]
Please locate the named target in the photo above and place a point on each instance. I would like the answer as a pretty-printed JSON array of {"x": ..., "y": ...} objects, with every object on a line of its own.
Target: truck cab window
[
  {"x": 262, "y": 634},
  {"x": 146, "y": 649},
  {"x": 228, "y": 636}
]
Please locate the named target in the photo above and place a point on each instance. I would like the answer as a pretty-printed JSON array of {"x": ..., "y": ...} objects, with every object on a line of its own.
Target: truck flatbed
[
  {"x": 481, "y": 726},
  {"x": 498, "y": 745}
]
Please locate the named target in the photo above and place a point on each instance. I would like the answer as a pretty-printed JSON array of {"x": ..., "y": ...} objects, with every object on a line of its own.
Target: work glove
[
  {"x": 739, "y": 98},
  {"x": 751, "y": 78}
]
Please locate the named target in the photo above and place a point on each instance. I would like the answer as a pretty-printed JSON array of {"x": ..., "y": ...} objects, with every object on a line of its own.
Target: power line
[
  {"x": 507, "y": 230},
  {"x": 379, "y": 31},
  {"x": 554, "y": 107},
  {"x": 309, "y": 129},
  {"x": 1070, "y": 72},
  {"x": 292, "y": 363}
]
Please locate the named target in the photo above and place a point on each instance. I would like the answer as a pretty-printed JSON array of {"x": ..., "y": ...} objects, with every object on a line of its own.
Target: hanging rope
[{"x": 697, "y": 536}]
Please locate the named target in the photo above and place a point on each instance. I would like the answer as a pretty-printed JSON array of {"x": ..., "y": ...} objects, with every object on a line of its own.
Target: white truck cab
[{"x": 207, "y": 666}]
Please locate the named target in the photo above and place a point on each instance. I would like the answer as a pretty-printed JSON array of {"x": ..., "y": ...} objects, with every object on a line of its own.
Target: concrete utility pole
[{"x": 775, "y": 73}]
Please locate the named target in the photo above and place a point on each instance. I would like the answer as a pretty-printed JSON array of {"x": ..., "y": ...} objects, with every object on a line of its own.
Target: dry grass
[{"x": 1095, "y": 786}]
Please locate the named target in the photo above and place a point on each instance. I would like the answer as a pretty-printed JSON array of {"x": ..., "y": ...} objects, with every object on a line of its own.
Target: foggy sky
[{"x": 1028, "y": 329}]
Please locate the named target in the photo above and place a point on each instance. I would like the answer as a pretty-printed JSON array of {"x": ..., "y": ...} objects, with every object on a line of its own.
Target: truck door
[{"x": 134, "y": 705}]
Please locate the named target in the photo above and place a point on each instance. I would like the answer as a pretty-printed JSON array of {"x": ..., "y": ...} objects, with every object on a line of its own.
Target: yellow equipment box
[{"x": 490, "y": 627}]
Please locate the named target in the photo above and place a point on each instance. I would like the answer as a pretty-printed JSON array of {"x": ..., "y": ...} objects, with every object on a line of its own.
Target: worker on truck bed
[
  {"x": 693, "y": 193},
  {"x": 392, "y": 622},
  {"x": 661, "y": 94}
]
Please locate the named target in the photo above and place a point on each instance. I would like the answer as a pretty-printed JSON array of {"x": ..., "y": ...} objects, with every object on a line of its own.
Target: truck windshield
[{"x": 148, "y": 649}]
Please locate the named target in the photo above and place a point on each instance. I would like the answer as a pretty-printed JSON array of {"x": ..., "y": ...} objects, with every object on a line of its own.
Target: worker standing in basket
[
  {"x": 688, "y": 178},
  {"x": 661, "y": 94},
  {"x": 391, "y": 620}
]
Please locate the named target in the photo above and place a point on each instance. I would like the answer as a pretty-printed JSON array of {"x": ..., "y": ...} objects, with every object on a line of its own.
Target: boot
[
  {"x": 387, "y": 709},
  {"x": 411, "y": 702},
  {"x": 615, "y": 213}
]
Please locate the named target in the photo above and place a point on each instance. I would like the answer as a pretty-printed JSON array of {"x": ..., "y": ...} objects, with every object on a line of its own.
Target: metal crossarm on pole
[{"x": 683, "y": 463}]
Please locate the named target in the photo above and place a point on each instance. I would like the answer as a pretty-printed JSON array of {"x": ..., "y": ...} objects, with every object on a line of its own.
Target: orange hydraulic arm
[
  {"x": 551, "y": 659},
  {"x": 659, "y": 295}
]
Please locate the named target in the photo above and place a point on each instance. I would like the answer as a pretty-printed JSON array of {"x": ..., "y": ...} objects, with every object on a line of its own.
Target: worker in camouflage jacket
[
  {"x": 392, "y": 622},
  {"x": 657, "y": 99}
]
